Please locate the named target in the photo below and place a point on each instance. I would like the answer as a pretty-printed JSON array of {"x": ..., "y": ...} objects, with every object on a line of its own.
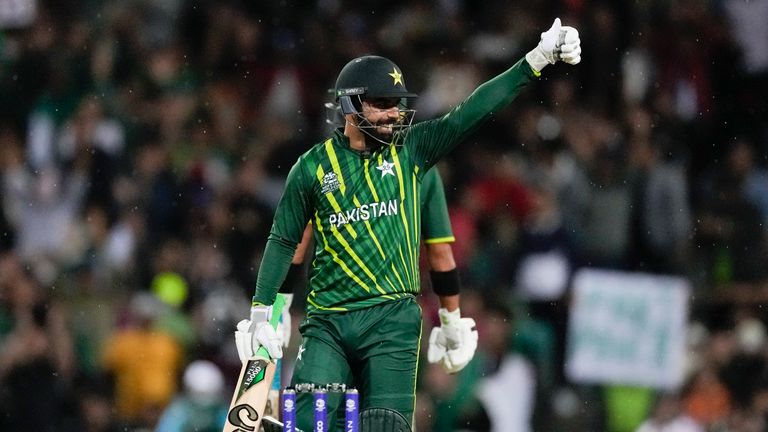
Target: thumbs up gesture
[{"x": 558, "y": 43}]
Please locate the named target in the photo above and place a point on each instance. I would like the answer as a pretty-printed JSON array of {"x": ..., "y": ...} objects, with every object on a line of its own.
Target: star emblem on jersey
[
  {"x": 386, "y": 168},
  {"x": 397, "y": 77}
]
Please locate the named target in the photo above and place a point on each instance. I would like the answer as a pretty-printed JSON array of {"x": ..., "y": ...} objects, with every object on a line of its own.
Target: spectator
[
  {"x": 95, "y": 407},
  {"x": 668, "y": 417},
  {"x": 201, "y": 407},
  {"x": 35, "y": 353},
  {"x": 730, "y": 233},
  {"x": 662, "y": 215},
  {"x": 145, "y": 364}
]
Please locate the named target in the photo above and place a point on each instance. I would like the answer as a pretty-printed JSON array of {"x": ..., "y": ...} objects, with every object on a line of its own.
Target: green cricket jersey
[
  {"x": 435, "y": 222},
  {"x": 365, "y": 209}
]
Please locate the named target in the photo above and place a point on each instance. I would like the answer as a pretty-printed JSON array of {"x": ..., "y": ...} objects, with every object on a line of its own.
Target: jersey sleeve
[
  {"x": 292, "y": 214},
  {"x": 435, "y": 223},
  {"x": 432, "y": 139}
]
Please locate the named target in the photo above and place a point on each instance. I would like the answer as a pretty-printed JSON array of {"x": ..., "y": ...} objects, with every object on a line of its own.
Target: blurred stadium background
[{"x": 144, "y": 143}]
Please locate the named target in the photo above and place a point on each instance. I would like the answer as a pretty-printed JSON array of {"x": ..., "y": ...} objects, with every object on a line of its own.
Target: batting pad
[{"x": 383, "y": 420}]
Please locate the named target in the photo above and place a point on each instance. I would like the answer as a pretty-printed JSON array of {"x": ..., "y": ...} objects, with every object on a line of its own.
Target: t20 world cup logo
[{"x": 351, "y": 405}]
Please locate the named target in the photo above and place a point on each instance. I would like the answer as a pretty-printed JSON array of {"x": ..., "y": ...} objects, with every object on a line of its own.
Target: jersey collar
[{"x": 342, "y": 141}]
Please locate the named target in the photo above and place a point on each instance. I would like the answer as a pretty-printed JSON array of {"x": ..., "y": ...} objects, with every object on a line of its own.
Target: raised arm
[{"x": 434, "y": 138}]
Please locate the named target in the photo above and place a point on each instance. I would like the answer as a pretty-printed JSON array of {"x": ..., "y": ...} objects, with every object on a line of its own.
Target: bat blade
[{"x": 249, "y": 400}]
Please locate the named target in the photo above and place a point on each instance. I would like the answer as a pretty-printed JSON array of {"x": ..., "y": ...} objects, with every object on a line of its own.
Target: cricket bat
[{"x": 252, "y": 389}]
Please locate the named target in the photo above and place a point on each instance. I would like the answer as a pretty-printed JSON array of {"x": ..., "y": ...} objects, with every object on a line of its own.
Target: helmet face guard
[
  {"x": 399, "y": 127},
  {"x": 369, "y": 78}
]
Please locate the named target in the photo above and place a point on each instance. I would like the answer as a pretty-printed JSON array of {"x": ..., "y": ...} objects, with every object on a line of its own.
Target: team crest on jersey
[
  {"x": 330, "y": 183},
  {"x": 386, "y": 168}
]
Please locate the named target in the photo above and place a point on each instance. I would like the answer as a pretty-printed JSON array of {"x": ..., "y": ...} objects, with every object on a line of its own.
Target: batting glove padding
[
  {"x": 284, "y": 328},
  {"x": 453, "y": 344},
  {"x": 257, "y": 332},
  {"x": 558, "y": 43}
]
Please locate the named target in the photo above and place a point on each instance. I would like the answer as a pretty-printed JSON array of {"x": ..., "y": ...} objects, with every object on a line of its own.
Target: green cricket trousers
[{"x": 375, "y": 349}]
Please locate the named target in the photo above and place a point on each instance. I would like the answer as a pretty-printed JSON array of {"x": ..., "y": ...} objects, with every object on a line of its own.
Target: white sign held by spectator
[{"x": 627, "y": 328}]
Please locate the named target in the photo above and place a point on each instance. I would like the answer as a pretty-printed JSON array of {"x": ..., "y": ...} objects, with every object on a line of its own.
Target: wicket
[{"x": 320, "y": 404}]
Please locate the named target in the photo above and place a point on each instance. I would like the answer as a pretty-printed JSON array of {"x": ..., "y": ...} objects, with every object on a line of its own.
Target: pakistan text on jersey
[{"x": 363, "y": 213}]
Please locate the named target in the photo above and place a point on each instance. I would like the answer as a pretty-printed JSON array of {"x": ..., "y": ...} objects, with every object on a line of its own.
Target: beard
[
  {"x": 385, "y": 130},
  {"x": 384, "y": 133},
  {"x": 380, "y": 134}
]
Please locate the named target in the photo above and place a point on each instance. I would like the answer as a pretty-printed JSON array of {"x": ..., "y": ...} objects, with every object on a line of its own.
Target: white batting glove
[
  {"x": 558, "y": 43},
  {"x": 258, "y": 332},
  {"x": 284, "y": 328},
  {"x": 453, "y": 344},
  {"x": 570, "y": 45}
]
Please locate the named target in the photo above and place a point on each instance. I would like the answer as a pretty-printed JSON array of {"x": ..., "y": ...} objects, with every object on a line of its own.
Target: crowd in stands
[{"x": 144, "y": 145}]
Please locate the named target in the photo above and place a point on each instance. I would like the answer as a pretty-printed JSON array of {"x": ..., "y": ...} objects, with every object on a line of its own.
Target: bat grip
[{"x": 274, "y": 320}]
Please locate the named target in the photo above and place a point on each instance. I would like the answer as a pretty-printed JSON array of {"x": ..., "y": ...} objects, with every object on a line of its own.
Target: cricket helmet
[
  {"x": 374, "y": 77},
  {"x": 369, "y": 76}
]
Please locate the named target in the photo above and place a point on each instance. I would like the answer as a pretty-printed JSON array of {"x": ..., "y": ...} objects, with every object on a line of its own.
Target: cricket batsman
[
  {"x": 437, "y": 237},
  {"x": 361, "y": 189}
]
